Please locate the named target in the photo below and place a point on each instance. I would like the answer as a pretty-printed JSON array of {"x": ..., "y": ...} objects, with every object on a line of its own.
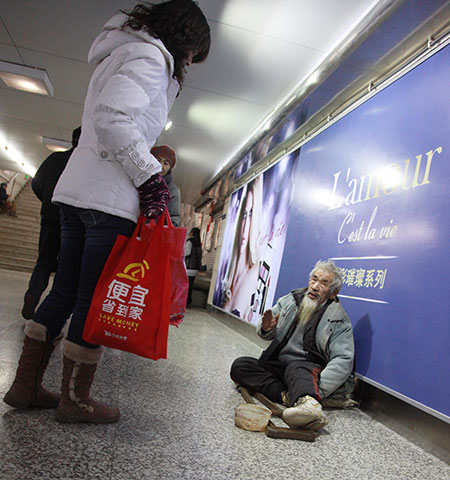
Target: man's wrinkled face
[{"x": 319, "y": 286}]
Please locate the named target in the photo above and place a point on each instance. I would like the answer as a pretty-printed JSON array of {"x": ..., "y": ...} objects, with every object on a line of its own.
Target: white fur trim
[
  {"x": 36, "y": 331},
  {"x": 80, "y": 354}
]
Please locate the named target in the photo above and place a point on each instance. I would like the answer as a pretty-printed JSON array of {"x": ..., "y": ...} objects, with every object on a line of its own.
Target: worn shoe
[{"x": 306, "y": 413}]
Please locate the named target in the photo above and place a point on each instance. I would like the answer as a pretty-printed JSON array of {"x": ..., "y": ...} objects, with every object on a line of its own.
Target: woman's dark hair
[
  {"x": 195, "y": 233},
  {"x": 179, "y": 24}
]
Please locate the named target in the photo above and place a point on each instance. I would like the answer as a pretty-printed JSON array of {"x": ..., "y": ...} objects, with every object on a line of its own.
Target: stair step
[
  {"x": 25, "y": 216},
  {"x": 30, "y": 241},
  {"x": 15, "y": 260},
  {"x": 10, "y": 221},
  {"x": 26, "y": 251},
  {"x": 19, "y": 235},
  {"x": 19, "y": 231},
  {"x": 30, "y": 207},
  {"x": 15, "y": 267}
]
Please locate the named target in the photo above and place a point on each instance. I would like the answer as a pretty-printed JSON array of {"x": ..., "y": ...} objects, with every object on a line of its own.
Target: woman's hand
[
  {"x": 154, "y": 196},
  {"x": 269, "y": 322}
]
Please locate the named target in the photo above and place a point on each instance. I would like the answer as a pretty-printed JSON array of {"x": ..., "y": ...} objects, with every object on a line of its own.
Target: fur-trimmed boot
[
  {"x": 75, "y": 405},
  {"x": 26, "y": 390}
]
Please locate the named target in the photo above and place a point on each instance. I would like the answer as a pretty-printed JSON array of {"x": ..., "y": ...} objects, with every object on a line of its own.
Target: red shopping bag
[
  {"x": 130, "y": 307},
  {"x": 180, "y": 282}
]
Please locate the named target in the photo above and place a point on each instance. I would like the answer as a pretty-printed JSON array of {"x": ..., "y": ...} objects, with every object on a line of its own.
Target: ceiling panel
[
  {"x": 251, "y": 66},
  {"x": 70, "y": 78},
  {"x": 29, "y": 133},
  {"x": 5, "y": 38},
  {"x": 8, "y": 53},
  {"x": 23, "y": 106},
  {"x": 258, "y": 55},
  {"x": 63, "y": 28},
  {"x": 222, "y": 116},
  {"x": 311, "y": 23},
  {"x": 66, "y": 115}
]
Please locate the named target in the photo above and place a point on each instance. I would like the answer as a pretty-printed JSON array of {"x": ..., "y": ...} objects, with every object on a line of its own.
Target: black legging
[{"x": 191, "y": 286}]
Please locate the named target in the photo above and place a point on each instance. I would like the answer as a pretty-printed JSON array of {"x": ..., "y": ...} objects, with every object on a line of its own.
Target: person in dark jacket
[
  {"x": 43, "y": 184},
  {"x": 193, "y": 259},
  {"x": 167, "y": 158},
  {"x": 5, "y": 204}
]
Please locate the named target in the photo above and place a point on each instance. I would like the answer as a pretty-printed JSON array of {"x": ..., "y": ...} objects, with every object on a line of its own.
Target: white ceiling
[{"x": 261, "y": 49}]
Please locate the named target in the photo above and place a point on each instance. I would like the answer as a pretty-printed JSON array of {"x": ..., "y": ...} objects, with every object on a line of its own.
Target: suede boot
[
  {"x": 26, "y": 390},
  {"x": 75, "y": 404}
]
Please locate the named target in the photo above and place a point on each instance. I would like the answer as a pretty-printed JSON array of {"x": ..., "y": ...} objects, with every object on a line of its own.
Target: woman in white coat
[{"x": 111, "y": 178}]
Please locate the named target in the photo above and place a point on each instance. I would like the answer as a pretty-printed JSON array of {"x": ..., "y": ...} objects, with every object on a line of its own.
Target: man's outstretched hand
[{"x": 269, "y": 322}]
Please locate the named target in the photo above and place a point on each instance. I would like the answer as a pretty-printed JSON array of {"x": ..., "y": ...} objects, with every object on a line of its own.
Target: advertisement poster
[
  {"x": 253, "y": 242},
  {"x": 372, "y": 194}
]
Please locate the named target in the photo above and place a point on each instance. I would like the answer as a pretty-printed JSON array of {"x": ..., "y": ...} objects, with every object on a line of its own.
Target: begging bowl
[{"x": 252, "y": 417}]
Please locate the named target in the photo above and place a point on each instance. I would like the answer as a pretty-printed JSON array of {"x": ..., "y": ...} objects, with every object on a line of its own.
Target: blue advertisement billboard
[{"x": 371, "y": 192}]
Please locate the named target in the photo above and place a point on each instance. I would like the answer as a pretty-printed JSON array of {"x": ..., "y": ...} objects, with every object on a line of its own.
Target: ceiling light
[
  {"x": 29, "y": 79},
  {"x": 15, "y": 156},
  {"x": 168, "y": 125},
  {"x": 56, "y": 145}
]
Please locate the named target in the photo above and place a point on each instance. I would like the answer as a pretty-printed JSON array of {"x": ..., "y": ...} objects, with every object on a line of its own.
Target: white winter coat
[{"x": 126, "y": 108}]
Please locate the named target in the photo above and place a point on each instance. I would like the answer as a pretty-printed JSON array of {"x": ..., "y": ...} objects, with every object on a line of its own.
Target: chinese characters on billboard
[{"x": 372, "y": 194}]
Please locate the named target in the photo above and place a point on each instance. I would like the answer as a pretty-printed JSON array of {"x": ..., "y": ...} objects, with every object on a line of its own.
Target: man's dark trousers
[{"x": 272, "y": 377}]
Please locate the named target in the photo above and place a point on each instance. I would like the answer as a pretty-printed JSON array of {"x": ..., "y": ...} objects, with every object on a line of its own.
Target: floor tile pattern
[{"x": 178, "y": 419}]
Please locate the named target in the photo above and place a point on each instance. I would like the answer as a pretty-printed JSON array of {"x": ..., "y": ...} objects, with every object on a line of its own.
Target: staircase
[{"x": 19, "y": 236}]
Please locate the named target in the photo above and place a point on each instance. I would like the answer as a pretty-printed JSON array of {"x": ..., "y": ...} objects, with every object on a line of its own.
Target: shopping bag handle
[
  {"x": 167, "y": 218},
  {"x": 159, "y": 225},
  {"x": 163, "y": 219},
  {"x": 139, "y": 227}
]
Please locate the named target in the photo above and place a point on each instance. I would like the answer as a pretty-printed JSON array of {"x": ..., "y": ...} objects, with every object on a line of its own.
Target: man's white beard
[{"x": 307, "y": 308}]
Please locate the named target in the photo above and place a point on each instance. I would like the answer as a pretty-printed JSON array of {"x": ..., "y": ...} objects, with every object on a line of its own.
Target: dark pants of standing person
[
  {"x": 87, "y": 237},
  {"x": 271, "y": 377},
  {"x": 191, "y": 287},
  {"x": 47, "y": 262}
]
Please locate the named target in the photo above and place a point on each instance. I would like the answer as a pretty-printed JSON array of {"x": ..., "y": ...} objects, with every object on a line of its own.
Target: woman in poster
[{"x": 242, "y": 274}]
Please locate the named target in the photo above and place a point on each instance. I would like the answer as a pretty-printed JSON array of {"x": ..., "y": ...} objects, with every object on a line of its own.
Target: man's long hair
[
  {"x": 179, "y": 24},
  {"x": 331, "y": 267}
]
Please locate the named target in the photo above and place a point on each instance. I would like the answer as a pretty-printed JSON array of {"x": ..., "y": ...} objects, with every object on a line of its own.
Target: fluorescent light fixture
[
  {"x": 168, "y": 125},
  {"x": 56, "y": 145},
  {"x": 15, "y": 156},
  {"x": 28, "y": 79}
]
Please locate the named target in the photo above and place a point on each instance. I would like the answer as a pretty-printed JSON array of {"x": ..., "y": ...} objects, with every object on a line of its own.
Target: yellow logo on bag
[{"x": 134, "y": 271}]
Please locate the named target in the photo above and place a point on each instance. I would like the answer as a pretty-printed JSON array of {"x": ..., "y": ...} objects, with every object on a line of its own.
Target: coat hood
[{"x": 113, "y": 36}]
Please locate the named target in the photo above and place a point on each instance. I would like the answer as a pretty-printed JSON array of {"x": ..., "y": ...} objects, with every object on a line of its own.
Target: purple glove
[{"x": 154, "y": 195}]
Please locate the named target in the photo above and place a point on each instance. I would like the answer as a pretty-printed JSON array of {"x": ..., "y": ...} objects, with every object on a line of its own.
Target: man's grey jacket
[{"x": 332, "y": 344}]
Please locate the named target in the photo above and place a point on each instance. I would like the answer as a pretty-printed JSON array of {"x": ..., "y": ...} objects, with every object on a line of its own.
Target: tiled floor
[{"x": 178, "y": 420}]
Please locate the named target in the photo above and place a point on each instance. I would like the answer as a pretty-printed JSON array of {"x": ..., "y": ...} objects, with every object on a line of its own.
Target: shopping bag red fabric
[
  {"x": 180, "y": 282},
  {"x": 130, "y": 308}
]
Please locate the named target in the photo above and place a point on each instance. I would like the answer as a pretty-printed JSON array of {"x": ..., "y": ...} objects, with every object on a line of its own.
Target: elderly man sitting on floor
[{"x": 311, "y": 355}]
